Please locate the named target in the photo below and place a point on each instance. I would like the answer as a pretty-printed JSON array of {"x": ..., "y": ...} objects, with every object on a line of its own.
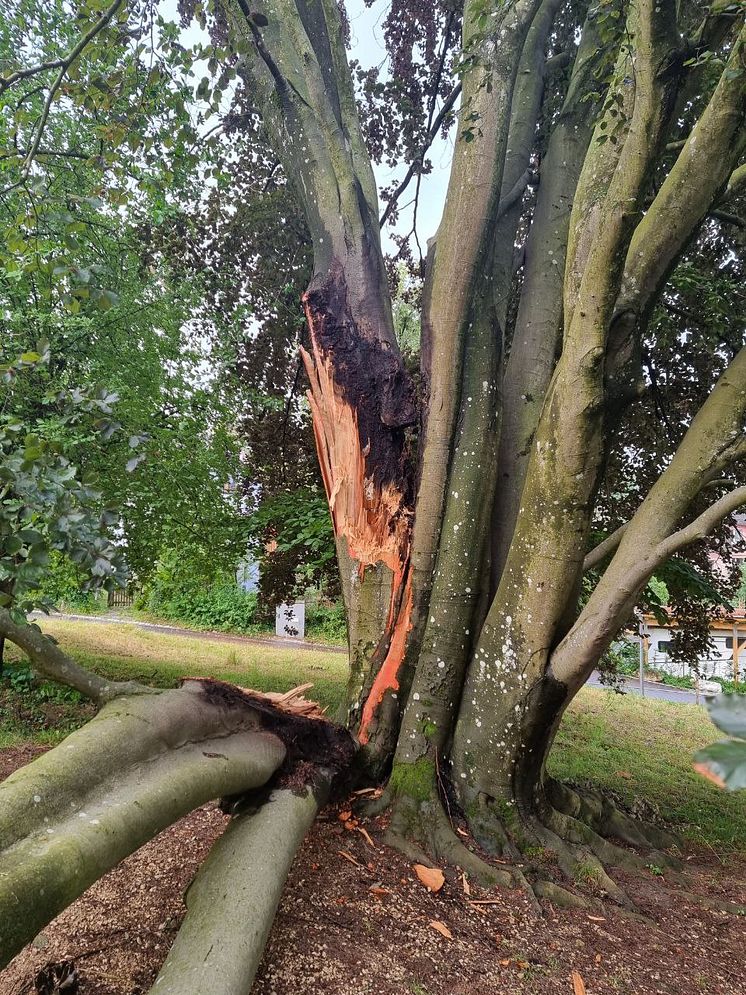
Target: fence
[{"x": 121, "y": 599}]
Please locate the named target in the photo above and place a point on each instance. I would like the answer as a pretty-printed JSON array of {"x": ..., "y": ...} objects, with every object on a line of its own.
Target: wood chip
[
  {"x": 465, "y": 884},
  {"x": 596, "y": 918},
  {"x": 441, "y": 928},
  {"x": 366, "y": 836},
  {"x": 485, "y": 901},
  {"x": 432, "y": 877},
  {"x": 578, "y": 985},
  {"x": 348, "y": 856}
]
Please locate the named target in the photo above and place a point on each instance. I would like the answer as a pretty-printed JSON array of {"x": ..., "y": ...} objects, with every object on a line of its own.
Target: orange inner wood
[{"x": 372, "y": 518}]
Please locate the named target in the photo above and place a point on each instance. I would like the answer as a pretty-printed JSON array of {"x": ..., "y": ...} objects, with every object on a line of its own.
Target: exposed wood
[{"x": 387, "y": 678}]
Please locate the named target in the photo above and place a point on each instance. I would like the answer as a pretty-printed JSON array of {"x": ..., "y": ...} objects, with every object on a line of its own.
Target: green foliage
[
  {"x": 292, "y": 538},
  {"x": 327, "y": 622},
  {"x": 194, "y": 589},
  {"x": 725, "y": 762},
  {"x": 36, "y": 709},
  {"x": 46, "y": 506},
  {"x": 63, "y": 586},
  {"x": 224, "y": 608}
]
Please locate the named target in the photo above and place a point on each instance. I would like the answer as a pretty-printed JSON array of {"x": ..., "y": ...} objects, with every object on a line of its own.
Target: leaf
[
  {"x": 440, "y": 927},
  {"x": 465, "y": 884},
  {"x": 724, "y": 763},
  {"x": 432, "y": 877},
  {"x": 728, "y": 712},
  {"x": 578, "y": 985}
]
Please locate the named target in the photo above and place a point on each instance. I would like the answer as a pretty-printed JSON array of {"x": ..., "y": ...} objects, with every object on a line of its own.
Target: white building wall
[{"x": 719, "y": 662}]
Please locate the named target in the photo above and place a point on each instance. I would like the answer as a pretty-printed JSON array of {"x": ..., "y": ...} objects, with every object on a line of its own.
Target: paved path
[
  {"x": 176, "y": 630},
  {"x": 652, "y": 689}
]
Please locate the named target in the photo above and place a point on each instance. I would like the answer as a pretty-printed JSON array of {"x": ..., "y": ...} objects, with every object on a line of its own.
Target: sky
[{"x": 369, "y": 49}]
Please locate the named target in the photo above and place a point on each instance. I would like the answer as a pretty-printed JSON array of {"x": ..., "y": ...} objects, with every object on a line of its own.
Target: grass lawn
[{"x": 639, "y": 748}]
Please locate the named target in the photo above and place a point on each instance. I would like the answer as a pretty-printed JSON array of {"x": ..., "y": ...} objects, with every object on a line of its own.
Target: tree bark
[
  {"x": 508, "y": 693},
  {"x": 233, "y": 899},
  {"x": 361, "y": 396},
  {"x": 140, "y": 765}
]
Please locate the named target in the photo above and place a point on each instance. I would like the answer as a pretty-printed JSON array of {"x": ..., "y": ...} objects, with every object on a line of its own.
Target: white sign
[{"x": 290, "y": 620}]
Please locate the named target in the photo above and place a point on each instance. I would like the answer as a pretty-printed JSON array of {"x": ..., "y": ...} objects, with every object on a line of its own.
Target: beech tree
[{"x": 594, "y": 146}]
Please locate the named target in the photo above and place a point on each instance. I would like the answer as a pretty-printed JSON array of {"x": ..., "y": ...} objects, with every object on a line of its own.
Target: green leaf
[
  {"x": 728, "y": 712},
  {"x": 724, "y": 763}
]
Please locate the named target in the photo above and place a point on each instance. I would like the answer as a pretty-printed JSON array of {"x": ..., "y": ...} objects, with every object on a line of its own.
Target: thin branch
[
  {"x": 556, "y": 63},
  {"x": 515, "y": 193},
  {"x": 729, "y": 219},
  {"x": 65, "y": 64},
  {"x": 703, "y": 525},
  {"x": 431, "y": 136},
  {"x": 44, "y": 152},
  {"x": 736, "y": 181},
  {"x": 599, "y": 553},
  {"x": 19, "y": 74}
]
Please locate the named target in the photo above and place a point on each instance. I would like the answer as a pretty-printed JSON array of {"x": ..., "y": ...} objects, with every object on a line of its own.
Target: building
[{"x": 727, "y": 658}]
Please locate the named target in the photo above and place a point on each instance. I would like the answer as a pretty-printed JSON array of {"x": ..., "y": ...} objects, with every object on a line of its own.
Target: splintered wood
[
  {"x": 291, "y": 701},
  {"x": 372, "y": 517}
]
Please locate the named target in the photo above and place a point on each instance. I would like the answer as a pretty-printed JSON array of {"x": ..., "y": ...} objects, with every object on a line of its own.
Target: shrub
[
  {"x": 327, "y": 622},
  {"x": 224, "y": 607}
]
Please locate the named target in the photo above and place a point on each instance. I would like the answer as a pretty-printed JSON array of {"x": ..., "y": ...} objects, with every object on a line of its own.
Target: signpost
[{"x": 644, "y": 634}]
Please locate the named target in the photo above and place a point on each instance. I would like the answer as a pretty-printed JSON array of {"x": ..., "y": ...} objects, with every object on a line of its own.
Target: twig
[{"x": 64, "y": 64}]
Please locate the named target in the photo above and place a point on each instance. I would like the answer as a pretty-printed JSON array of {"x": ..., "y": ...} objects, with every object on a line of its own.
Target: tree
[{"x": 464, "y": 507}]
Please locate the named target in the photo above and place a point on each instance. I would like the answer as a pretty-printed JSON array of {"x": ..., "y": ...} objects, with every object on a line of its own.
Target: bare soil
[{"x": 355, "y": 919}]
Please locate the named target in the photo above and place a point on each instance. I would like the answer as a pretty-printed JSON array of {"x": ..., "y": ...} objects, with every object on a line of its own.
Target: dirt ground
[{"x": 355, "y": 919}]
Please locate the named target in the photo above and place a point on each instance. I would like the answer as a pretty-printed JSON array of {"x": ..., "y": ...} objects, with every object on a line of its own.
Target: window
[
  {"x": 664, "y": 645},
  {"x": 729, "y": 642}
]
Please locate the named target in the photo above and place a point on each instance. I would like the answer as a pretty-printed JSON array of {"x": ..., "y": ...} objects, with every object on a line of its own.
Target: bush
[
  {"x": 224, "y": 607},
  {"x": 61, "y": 587},
  {"x": 327, "y": 622}
]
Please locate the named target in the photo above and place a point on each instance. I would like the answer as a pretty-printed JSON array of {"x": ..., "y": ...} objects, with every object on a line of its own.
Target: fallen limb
[
  {"x": 232, "y": 901},
  {"x": 141, "y": 764},
  {"x": 49, "y": 659}
]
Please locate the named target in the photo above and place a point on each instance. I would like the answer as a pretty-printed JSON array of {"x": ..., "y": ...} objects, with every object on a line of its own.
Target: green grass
[
  {"x": 642, "y": 749},
  {"x": 639, "y": 748},
  {"x": 127, "y": 652}
]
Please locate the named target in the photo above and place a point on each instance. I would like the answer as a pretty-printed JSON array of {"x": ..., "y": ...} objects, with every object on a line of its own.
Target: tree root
[
  {"x": 419, "y": 826},
  {"x": 422, "y": 831},
  {"x": 576, "y": 825},
  {"x": 608, "y": 820}
]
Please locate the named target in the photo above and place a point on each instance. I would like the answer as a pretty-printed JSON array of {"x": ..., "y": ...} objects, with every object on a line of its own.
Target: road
[
  {"x": 652, "y": 690},
  {"x": 177, "y": 630},
  {"x": 631, "y": 685}
]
